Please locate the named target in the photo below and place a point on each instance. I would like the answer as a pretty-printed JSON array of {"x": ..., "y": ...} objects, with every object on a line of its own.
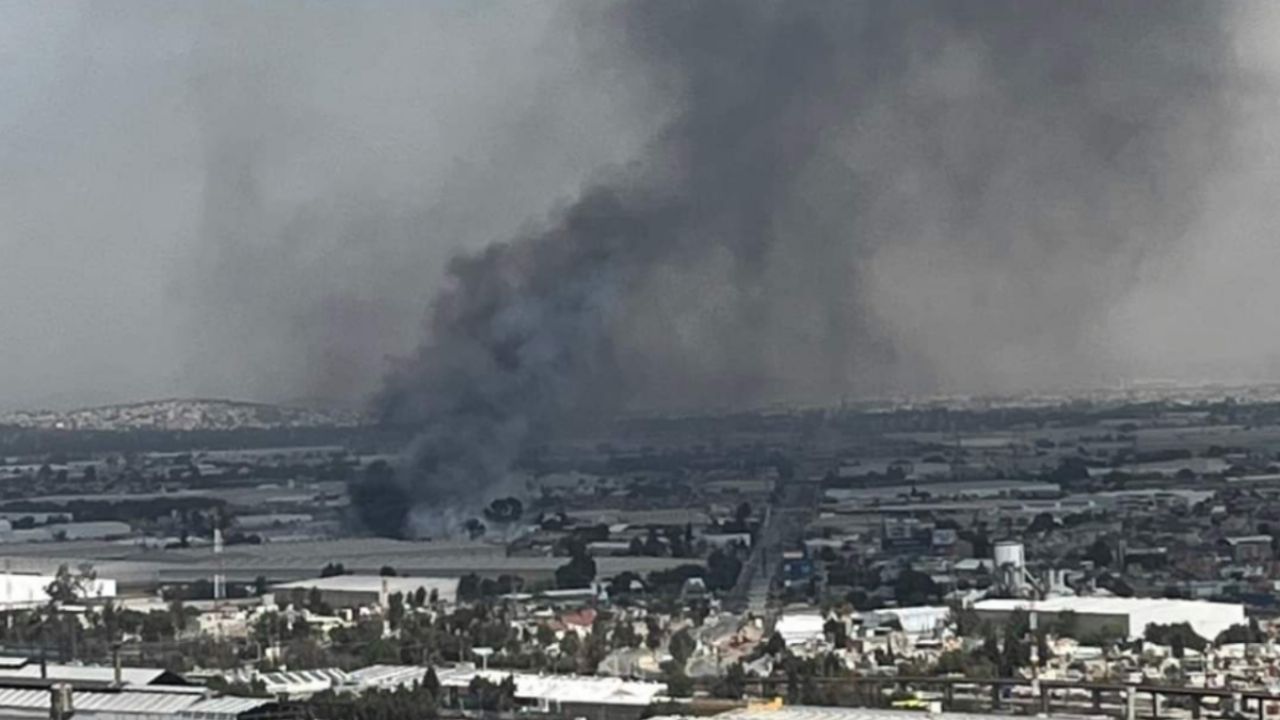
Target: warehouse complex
[{"x": 1123, "y": 617}]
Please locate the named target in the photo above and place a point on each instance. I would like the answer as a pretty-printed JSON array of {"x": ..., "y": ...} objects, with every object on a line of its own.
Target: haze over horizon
[{"x": 260, "y": 201}]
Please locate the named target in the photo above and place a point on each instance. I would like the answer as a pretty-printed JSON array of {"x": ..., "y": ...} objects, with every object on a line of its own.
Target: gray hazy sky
[{"x": 257, "y": 200}]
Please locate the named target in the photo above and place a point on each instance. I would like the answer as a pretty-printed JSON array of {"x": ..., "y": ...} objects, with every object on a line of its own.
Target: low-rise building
[
  {"x": 1122, "y": 617},
  {"x": 19, "y": 590},
  {"x": 366, "y": 590}
]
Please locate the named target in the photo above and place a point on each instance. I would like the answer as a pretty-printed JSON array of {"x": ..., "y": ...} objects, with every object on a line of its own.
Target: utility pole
[{"x": 220, "y": 577}]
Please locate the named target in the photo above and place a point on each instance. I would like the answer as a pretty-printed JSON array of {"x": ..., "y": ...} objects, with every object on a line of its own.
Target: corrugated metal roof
[
  {"x": 388, "y": 675},
  {"x": 812, "y": 712},
  {"x": 124, "y": 702},
  {"x": 561, "y": 688},
  {"x": 228, "y": 707},
  {"x": 305, "y": 677},
  {"x": 91, "y": 673}
]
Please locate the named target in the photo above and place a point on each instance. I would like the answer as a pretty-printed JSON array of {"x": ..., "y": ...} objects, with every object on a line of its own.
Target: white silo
[
  {"x": 1010, "y": 552},
  {"x": 1011, "y": 567}
]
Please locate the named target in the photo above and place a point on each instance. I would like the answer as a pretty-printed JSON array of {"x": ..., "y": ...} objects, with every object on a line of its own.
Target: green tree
[
  {"x": 733, "y": 684},
  {"x": 431, "y": 683},
  {"x": 966, "y": 620},
  {"x": 1177, "y": 636},
  {"x": 653, "y": 633},
  {"x": 395, "y": 610},
  {"x": 315, "y": 602},
  {"x": 723, "y": 569},
  {"x": 678, "y": 682},
  {"x": 579, "y": 572},
  {"x": 493, "y": 697},
  {"x": 68, "y": 587},
  {"x": 469, "y": 588},
  {"x": 1241, "y": 633},
  {"x": 914, "y": 588},
  {"x": 570, "y": 644},
  {"x": 776, "y": 645},
  {"x": 1067, "y": 624},
  {"x": 682, "y": 646},
  {"x": 951, "y": 662},
  {"x": 625, "y": 635},
  {"x": 1015, "y": 651},
  {"x": 1099, "y": 553},
  {"x": 836, "y": 633}
]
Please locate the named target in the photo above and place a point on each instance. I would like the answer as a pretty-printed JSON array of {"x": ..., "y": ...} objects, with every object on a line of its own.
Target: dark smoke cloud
[{"x": 851, "y": 197}]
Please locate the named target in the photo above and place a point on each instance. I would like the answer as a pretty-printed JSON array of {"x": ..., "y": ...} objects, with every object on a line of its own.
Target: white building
[
  {"x": 565, "y": 695},
  {"x": 367, "y": 590},
  {"x": 28, "y": 589},
  {"x": 1126, "y": 617},
  {"x": 570, "y": 695},
  {"x": 13, "y": 668},
  {"x": 801, "y": 628},
  {"x": 919, "y": 619}
]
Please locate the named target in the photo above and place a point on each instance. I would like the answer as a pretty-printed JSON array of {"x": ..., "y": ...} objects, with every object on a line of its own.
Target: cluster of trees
[
  {"x": 49, "y": 630},
  {"x": 723, "y": 568},
  {"x": 1004, "y": 650},
  {"x": 1178, "y": 636},
  {"x": 488, "y": 696},
  {"x": 671, "y": 542},
  {"x": 420, "y": 701},
  {"x": 681, "y": 647},
  {"x": 741, "y": 521},
  {"x": 1241, "y": 633},
  {"x": 437, "y": 638},
  {"x": 579, "y": 572},
  {"x": 194, "y": 512},
  {"x": 472, "y": 587},
  {"x": 913, "y": 587},
  {"x": 794, "y": 678}
]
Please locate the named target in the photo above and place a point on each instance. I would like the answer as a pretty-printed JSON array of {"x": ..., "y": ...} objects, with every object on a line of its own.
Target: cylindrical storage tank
[
  {"x": 60, "y": 705},
  {"x": 1010, "y": 553}
]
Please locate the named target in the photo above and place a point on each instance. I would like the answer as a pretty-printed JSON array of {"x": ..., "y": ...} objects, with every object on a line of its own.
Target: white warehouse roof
[
  {"x": 445, "y": 587},
  {"x": 798, "y": 628},
  {"x": 918, "y": 619},
  {"x": 583, "y": 689},
  {"x": 16, "y": 702},
  {"x": 29, "y": 668},
  {"x": 1206, "y": 618},
  {"x": 25, "y": 589},
  {"x": 812, "y": 712}
]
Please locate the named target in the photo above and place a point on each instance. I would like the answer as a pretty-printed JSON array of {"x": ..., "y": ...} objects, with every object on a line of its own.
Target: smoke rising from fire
[
  {"x": 848, "y": 198},
  {"x": 695, "y": 205}
]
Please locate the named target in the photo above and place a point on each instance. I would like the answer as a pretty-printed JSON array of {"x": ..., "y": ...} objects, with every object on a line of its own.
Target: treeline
[
  {"x": 79, "y": 443},
  {"x": 942, "y": 419}
]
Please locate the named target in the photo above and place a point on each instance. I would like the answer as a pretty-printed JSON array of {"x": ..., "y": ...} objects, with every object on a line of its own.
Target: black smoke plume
[{"x": 1032, "y": 149}]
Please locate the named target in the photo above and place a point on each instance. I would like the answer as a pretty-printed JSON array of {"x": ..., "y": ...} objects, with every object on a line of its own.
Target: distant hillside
[{"x": 179, "y": 414}]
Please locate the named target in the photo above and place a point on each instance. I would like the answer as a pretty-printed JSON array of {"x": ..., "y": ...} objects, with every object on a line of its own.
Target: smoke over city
[
  {"x": 612, "y": 206},
  {"x": 828, "y": 169}
]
